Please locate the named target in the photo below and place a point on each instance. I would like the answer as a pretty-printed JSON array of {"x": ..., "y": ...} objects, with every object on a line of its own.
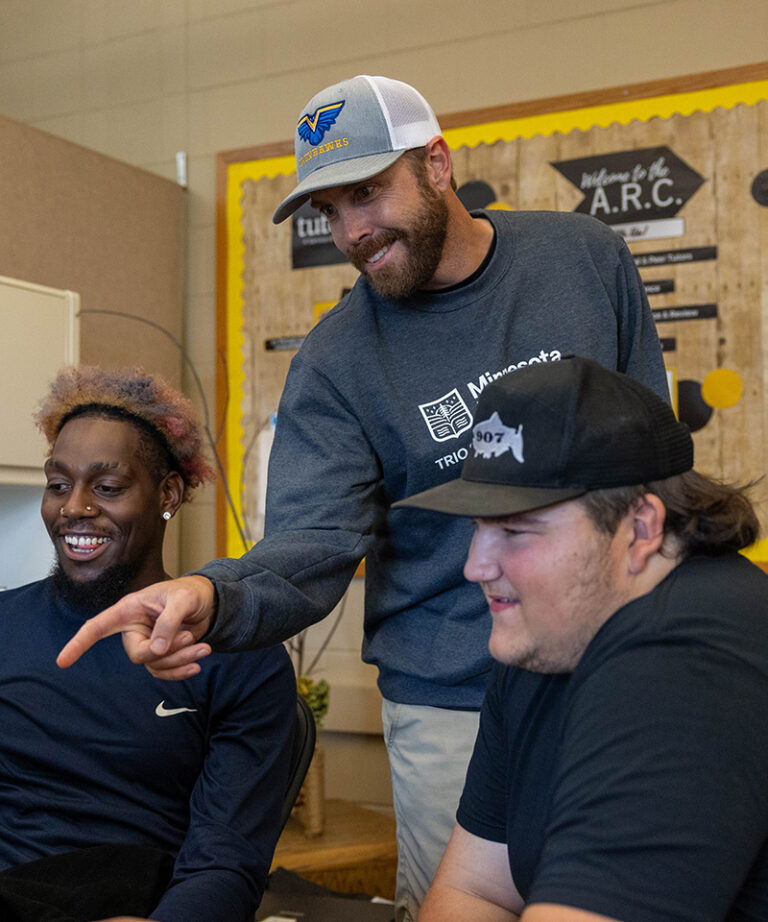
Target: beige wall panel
[
  {"x": 77, "y": 220},
  {"x": 154, "y": 128},
  {"x": 109, "y": 19},
  {"x": 133, "y": 69},
  {"x": 41, "y": 87},
  {"x": 210, "y": 9},
  {"x": 356, "y": 768},
  {"x": 38, "y": 27}
]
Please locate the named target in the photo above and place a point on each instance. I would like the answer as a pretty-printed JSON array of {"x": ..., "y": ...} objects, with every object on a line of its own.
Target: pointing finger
[{"x": 109, "y": 622}]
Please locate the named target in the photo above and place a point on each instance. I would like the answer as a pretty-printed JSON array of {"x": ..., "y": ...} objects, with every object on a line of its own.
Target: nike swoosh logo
[{"x": 162, "y": 711}]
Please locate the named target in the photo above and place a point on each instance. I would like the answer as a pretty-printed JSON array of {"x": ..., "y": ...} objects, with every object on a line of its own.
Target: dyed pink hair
[{"x": 147, "y": 398}]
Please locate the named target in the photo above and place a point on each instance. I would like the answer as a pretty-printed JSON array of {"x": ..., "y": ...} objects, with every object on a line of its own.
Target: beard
[
  {"x": 94, "y": 595},
  {"x": 423, "y": 241}
]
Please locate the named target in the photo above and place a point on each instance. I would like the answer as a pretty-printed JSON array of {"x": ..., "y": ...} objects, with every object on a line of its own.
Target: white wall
[{"x": 26, "y": 553}]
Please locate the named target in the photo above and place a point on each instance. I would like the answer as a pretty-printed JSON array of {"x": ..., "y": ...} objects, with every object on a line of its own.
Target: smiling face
[
  {"x": 392, "y": 228},
  {"x": 102, "y": 506},
  {"x": 551, "y": 579}
]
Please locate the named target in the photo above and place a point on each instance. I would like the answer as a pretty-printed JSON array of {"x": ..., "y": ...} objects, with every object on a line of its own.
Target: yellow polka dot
[{"x": 721, "y": 388}]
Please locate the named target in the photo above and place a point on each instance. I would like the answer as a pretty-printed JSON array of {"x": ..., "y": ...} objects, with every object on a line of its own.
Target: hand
[{"x": 159, "y": 624}]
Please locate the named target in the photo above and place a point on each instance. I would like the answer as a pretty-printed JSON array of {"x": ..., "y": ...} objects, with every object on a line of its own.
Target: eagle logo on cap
[{"x": 312, "y": 128}]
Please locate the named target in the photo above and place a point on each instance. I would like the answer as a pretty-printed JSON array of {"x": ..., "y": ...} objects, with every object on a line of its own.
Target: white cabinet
[
  {"x": 26, "y": 552},
  {"x": 39, "y": 334}
]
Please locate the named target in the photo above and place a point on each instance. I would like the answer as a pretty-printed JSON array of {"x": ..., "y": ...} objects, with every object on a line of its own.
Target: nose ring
[
  {"x": 61, "y": 511},
  {"x": 88, "y": 509}
]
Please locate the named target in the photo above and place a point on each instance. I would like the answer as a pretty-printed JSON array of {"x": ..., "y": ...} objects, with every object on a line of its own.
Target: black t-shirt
[{"x": 638, "y": 787}]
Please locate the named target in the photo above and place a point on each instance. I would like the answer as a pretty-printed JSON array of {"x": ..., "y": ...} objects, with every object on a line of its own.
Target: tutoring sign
[
  {"x": 311, "y": 240},
  {"x": 633, "y": 188}
]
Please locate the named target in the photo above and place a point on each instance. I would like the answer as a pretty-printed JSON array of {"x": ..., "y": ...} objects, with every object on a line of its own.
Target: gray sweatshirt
[{"x": 377, "y": 406}]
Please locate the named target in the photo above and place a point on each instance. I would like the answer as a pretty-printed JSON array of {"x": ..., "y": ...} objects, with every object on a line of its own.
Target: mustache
[
  {"x": 358, "y": 253},
  {"x": 58, "y": 531}
]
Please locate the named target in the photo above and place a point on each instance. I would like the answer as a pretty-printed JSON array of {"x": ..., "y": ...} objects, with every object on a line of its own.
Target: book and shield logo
[{"x": 447, "y": 417}]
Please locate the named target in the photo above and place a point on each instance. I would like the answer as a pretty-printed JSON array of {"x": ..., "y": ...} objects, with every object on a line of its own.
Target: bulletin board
[{"x": 679, "y": 168}]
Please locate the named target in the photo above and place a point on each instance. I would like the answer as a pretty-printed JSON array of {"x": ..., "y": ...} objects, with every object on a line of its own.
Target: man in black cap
[{"x": 631, "y": 783}]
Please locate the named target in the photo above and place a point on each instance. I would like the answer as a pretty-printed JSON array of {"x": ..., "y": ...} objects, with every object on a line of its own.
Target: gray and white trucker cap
[{"x": 353, "y": 130}]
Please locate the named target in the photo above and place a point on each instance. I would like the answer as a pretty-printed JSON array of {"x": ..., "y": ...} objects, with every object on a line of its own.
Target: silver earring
[{"x": 167, "y": 515}]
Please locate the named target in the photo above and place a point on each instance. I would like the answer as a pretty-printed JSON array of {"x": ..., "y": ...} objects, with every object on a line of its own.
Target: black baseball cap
[{"x": 551, "y": 432}]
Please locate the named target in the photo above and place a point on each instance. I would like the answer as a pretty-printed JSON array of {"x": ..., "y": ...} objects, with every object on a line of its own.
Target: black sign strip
[
  {"x": 684, "y": 312},
  {"x": 283, "y": 343},
  {"x": 659, "y": 286},
  {"x": 674, "y": 257}
]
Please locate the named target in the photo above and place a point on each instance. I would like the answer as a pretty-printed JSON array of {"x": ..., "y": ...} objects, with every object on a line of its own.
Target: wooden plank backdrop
[
  {"x": 261, "y": 297},
  {"x": 277, "y": 302}
]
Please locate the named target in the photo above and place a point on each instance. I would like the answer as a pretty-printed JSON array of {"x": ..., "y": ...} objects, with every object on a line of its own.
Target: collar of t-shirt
[{"x": 475, "y": 275}]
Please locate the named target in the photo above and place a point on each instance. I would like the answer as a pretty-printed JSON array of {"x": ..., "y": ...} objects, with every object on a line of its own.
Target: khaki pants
[{"x": 429, "y": 750}]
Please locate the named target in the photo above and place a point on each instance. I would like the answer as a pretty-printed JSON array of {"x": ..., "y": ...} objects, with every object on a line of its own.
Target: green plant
[{"x": 316, "y": 694}]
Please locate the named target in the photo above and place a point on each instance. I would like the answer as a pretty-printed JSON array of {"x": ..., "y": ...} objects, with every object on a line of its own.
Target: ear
[
  {"x": 171, "y": 492},
  {"x": 647, "y": 520},
  {"x": 438, "y": 163}
]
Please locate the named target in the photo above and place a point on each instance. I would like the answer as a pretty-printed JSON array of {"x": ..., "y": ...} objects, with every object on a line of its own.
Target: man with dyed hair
[
  {"x": 120, "y": 793},
  {"x": 620, "y": 768}
]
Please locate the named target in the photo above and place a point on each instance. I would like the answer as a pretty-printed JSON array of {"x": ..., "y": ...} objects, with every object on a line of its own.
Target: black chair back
[{"x": 304, "y": 738}]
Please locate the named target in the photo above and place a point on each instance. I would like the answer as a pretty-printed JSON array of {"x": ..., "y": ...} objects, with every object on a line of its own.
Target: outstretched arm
[
  {"x": 160, "y": 626},
  {"x": 472, "y": 884},
  {"x": 316, "y": 537}
]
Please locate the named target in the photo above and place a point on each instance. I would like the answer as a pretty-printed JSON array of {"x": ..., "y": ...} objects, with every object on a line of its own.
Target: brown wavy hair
[
  {"x": 704, "y": 516},
  {"x": 171, "y": 433}
]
